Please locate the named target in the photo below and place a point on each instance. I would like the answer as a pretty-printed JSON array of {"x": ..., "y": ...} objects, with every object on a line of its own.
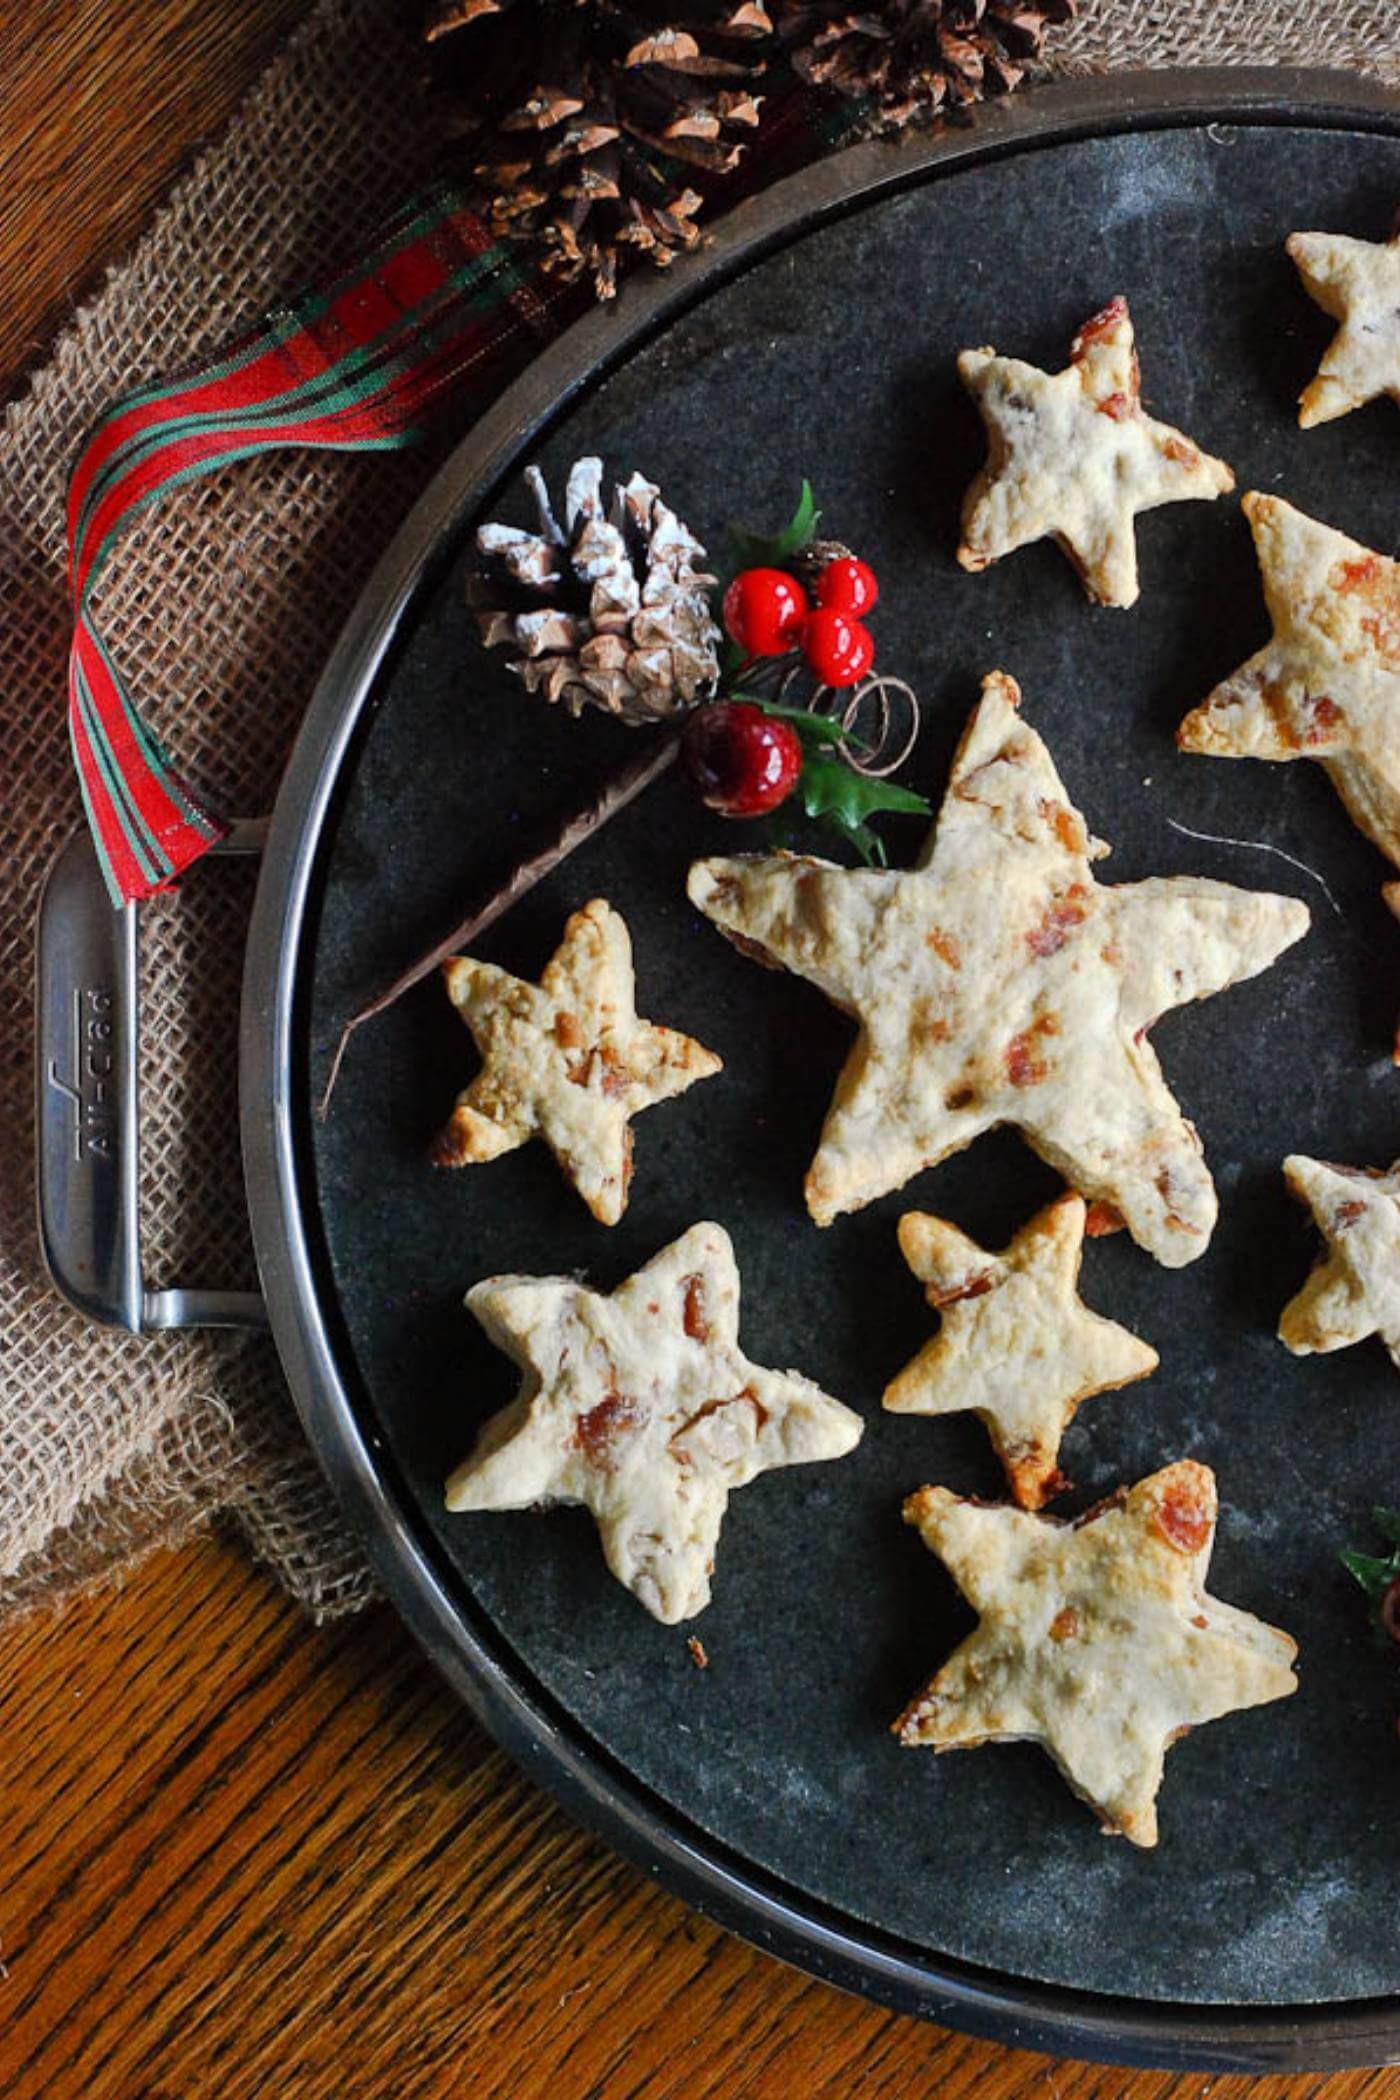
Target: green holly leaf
[
  {"x": 1376, "y": 1572},
  {"x": 833, "y": 792},
  {"x": 1373, "y": 1574},
  {"x": 815, "y": 730},
  {"x": 756, "y": 550}
]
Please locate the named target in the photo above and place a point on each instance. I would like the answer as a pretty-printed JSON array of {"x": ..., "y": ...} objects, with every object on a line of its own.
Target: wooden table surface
[{"x": 244, "y": 1855}]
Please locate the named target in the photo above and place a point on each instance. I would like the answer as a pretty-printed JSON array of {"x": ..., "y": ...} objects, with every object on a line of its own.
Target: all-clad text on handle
[{"x": 88, "y": 1104}]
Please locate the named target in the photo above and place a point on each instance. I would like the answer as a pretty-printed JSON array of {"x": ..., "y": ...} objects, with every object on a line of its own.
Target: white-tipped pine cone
[{"x": 607, "y": 611}]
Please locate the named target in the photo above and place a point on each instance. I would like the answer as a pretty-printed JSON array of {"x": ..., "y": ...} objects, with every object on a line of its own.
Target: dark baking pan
[{"x": 817, "y": 336}]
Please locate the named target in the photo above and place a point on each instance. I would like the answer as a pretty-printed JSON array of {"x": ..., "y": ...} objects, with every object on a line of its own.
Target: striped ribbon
[
  {"x": 357, "y": 365},
  {"x": 436, "y": 311}
]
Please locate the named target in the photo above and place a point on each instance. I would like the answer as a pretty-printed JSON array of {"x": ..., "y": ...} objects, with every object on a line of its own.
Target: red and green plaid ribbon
[
  {"x": 358, "y": 365},
  {"x": 437, "y": 311}
]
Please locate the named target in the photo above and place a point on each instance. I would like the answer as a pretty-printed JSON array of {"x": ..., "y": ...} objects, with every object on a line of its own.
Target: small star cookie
[
  {"x": 1073, "y": 455},
  {"x": 1017, "y": 1344},
  {"x": 1354, "y": 1292},
  {"x": 1095, "y": 1639},
  {"x": 566, "y": 1060},
  {"x": 1326, "y": 685},
  {"x": 642, "y": 1407},
  {"x": 1358, "y": 284},
  {"x": 996, "y": 982}
]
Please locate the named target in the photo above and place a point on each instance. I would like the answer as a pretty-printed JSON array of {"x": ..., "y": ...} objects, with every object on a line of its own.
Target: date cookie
[
  {"x": 1358, "y": 284},
  {"x": 1354, "y": 1291},
  {"x": 566, "y": 1060},
  {"x": 1326, "y": 685},
  {"x": 996, "y": 982},
  {"x": 1074, "y": 456},
  {"x": 1096, "y": 1639},
  {"x": 1017, "y": 1345},
  {"x": 642, "y": 1407}
]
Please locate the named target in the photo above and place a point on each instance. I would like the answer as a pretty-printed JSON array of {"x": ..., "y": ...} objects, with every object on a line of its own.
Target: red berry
[
  {"x": 1390, "y": 1608},
  {"x": 848, "y": 586},
  {"x": 837, "y": 647},
  {"x": 764, "y": 610},
  {"x": 743, "y": 761}
]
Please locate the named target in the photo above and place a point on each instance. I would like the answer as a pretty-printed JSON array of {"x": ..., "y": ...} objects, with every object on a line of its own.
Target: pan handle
[{"x": 88, "y": 1109}]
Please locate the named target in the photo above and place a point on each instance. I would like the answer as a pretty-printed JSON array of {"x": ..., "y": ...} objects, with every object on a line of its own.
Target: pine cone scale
[
  {"x": 457, "y": 14},
  {"x": 750, "y": 20},
  {"x": 549, "y": 107},
  {"x": 713, "y": 156},
  {"x": 665, "y": 49},
  {"x": 579, "y": 140}
]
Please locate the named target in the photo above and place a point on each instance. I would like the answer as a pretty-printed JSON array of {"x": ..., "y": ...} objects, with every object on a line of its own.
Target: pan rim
[{"x": 274, "y": 1108}]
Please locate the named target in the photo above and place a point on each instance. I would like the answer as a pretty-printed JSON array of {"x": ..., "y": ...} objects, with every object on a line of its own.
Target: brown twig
[{"x": 621, "y": 790}]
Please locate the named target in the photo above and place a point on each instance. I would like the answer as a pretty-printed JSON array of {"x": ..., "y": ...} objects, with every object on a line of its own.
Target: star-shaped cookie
[
  {"x": 566, "y": 1060},
  {"x": 1358, "y": 284},
  {"x": 996, "y": 982},
  {"x": 1326, "y": 684},
  {"x": 642, "y": 1407},
  {"x": 1016, "y": 1343},
  {"x": 1095, "y": 1639},
  {"x": 1354, "y": 1291},
  {"x": 1074, "y": 455}
]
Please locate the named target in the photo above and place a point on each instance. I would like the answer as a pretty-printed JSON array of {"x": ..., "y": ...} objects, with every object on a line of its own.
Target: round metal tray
[{"x": 327, "y": 924}]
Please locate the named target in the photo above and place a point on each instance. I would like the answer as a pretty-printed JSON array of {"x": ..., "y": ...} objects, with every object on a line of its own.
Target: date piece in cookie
[
  {"x": 566, "y": 1060},
  {"x": 1016, "y": 1344},
  {"x": 1074, "y": 456},
  {"x": 1095, "y": 1639},
  {"x": 1326, "y": 685},
  {"x": 1354, "y": 1292},
  {"x": 642, "y": 1407},
  {"x": 996, "y": 982},
  {"x": 1358, "y": 284}
]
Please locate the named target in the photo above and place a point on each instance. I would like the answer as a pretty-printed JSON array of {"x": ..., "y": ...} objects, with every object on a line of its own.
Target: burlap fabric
[{"x": 222, "y": 605}]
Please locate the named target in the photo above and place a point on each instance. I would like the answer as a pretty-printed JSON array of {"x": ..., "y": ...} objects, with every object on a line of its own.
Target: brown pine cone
[
  {"x": 914, "y": 58},
  {"x": 581, "y": 117}
]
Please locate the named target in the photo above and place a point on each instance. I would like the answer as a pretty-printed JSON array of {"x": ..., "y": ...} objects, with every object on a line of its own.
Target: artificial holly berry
[
  {"x": 839, "y": 649},
  {"x": 743, "y": 761},
  {"x": 764, "y": 610},
  {"x": 848, "y": 585}
]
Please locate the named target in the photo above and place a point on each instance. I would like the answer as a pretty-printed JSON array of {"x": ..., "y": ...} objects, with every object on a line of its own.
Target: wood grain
[
  {"x": 246, "y": 1856},
  {"x": 101, "y": 103}
]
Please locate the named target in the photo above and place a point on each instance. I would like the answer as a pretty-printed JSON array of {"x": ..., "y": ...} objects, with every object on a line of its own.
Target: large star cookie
[
  {"x": 1073, "y": 455},
  {"x": 1358, "y": 284},
  {"x": 1016, "y": 1342},
  {"x": 1354, "y": 1291},
  {"x": 1326, "y": 685},
  {"x": 1096, "y": 1639},
  {"x": 996, "y": 982},
  {"x": 566, "y": 1060},
  {"x": 642, "y": 1407}
]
